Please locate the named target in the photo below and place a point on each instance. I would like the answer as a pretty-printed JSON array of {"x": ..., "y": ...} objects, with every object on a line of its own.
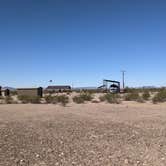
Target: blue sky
[{"x": 82, "y": 42}]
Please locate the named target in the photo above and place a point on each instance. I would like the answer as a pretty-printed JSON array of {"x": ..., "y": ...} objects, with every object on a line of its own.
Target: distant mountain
[{"x": 7, "y": 87}]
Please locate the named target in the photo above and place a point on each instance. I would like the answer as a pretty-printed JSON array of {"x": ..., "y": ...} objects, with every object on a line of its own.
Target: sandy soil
[{"x": 132, "y": 134}]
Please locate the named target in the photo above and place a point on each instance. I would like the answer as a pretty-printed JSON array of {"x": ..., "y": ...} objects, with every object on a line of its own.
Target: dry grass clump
[
  {"x": 111, "y": 98},
  {"x": 85, "y": 96}
]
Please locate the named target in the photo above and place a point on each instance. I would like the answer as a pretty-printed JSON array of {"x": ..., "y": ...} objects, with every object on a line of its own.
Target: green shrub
[
  {"x": 146, "y": 95},
  {"x": 29, "y": 99},
  {"x": 160, "y": 96},
  {"x": 110, "y": 98},
  {"x": 132, "y": 96}
]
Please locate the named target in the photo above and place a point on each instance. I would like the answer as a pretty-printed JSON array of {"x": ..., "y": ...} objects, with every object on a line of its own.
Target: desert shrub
[
  {"x": 9, "y": 100},
  {"x": 84, "y": 96},
  {"x": 91, "y": 91},
  {"x": 35, "y": 99},
  {"x": 132, "y": 96},
  {"x": 140, "y": 99},
  {"x": 102, "y": 98},
  {"x": 29, "y": 99},
  {"x": 160, "y": 96},
  {"x": 68, "y": 93},
  {"x": 146, "y": 95},
  {"x": 78, "y": 99},
  {"x": 13, "y": 93},
  {"x": 49, "y": 99},
  {"x": 63, "y": 99},
  {"x": 110, "y": 98},
  {"x": 23, "y": 99}
]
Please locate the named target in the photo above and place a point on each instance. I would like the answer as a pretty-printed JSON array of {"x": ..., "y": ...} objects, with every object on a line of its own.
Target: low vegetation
[
  {"x": 29, "y": 99},
  {"x": 146, "y": 95},
  {"x": 9, "y": 100},
  {"x": 85, "y": 96},
  {"x": 141, "y": 90},
  {"x": 13, "y": 93},
  {"x": 111, "y": 98},
  {"x": 62, "y": 99},
  {"x": 132, "y": 96},
  {"x": 78, "y": 99},
  {"x": 138, "y": 95},
  {"x": 160, "y": 97},
  {"x": 49, "y": 99}
]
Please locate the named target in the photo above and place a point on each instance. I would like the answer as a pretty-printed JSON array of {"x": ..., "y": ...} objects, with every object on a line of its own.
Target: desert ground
[{"x": 92, "y": 134}]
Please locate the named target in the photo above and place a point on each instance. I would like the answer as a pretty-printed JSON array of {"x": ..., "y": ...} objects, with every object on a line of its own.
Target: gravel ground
[{"x": 129, "y": 134}]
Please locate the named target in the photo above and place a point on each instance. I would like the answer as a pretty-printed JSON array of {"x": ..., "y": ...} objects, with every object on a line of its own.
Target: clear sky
[{"x": 82, "y": 42}]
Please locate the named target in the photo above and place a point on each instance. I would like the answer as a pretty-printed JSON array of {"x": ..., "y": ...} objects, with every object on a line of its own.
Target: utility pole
[{"x": 123, "y": 78}]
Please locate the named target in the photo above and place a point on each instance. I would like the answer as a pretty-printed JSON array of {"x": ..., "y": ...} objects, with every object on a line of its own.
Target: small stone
[
  {"x": 37, "y": 155},
  {"x": 126, "y": 161},
  {"x": 49, "y": 150},
  {"x": 138, "y": 162}
]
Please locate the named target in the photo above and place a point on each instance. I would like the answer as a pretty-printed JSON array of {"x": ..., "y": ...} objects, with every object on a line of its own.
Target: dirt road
[{"x": 132, "y": 134}]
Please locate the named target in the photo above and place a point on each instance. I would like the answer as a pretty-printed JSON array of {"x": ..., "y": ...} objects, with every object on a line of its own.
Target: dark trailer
[
  {"x": 30, "y": 91},
  {"x": 58, "y": 88}
]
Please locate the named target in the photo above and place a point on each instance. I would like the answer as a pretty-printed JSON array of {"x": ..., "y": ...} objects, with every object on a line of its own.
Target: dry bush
[
  {"x": 160, "y": 96},
  {"x": 132, "y": 96},
  {"x": 49, "y": 99},
  {"x": 146, "y": 95},
  {"x": 63, "y": 99},
  {"x": 78, "y": 99},
  {"x": 13, "y": 93},
  {"x": 1, "y": 97},
  {"x": 84, "y": 96},
  {"x": 110, "y": 98},
  {"x": 9, "y": 100}
]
